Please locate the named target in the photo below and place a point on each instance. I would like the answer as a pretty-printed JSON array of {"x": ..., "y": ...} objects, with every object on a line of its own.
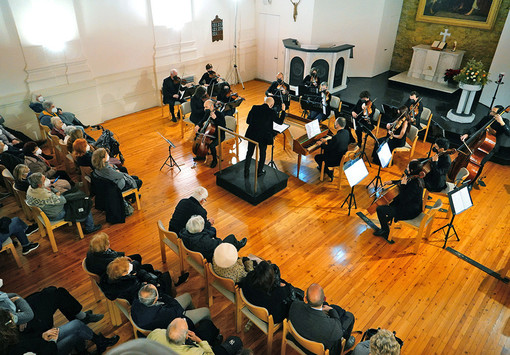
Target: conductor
[{"x": 260, "y": 129}]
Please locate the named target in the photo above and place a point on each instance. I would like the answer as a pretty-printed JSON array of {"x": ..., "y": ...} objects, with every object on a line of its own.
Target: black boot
[{"x": 103, "y": 342}]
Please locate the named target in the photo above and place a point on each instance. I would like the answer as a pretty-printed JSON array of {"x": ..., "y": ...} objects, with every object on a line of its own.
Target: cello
[
  {"x": 205, "y": 136},
  {"x": 479, "y": 145}
]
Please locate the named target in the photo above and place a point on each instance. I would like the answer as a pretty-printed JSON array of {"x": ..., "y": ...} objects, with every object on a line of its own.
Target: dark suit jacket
[
  {"x": 500, "y": 130},
  {"x": 158, "y": 315},
  {"x": 409, "y": 202},
  {"x": 316, "y": 325},
  {"x": 260, "y": 121},
  {"x": 335, "y": 148},
  {"x": 186, "y": 208},
  {"x": 98, "y": 262},
  {"x": 197, "y": 109},
  {"x": 169, "y": 90},
  {"x": 358, "y": 108},
  {"x": 408, "y": 104}
]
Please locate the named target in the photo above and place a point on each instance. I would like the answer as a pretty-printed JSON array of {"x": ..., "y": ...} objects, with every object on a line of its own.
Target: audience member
[
  {"x": 49, "y": 111},
  {"x": 20, "y": 175},
  {"x": 36, "y": 103},
  {"x": 15, "y": 227},
  {"x": 226, "y": 263},
  {"x": 8, "y": 159},
  {"x": 107, "y": 171},
  {"x": 50, "y": 201},
  {"x": 9, "y": 139},
  {"x": 82, "y": 153},
  {"x": 37, "y": 164},
  {"x": 188, "y": 207},
  {"x": 195, "y": 237},
  {"x": 317, "y": 321},
  {"x": 381, "y": 343}
]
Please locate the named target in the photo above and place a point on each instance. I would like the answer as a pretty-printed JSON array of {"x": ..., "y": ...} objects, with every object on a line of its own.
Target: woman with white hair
[
  {"x": 226, "y": 263},
  {"x": 197, "y": 238}
]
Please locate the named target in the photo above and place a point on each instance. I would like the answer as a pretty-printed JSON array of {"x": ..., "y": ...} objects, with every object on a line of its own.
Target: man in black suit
[
  {"x": 171, "y": 93},
  {"x": 317, "y": 321},
  {"x": 260, "y": 129},
  {"x": 188, "y": 207},
  {"x": 334, "y": 149}
]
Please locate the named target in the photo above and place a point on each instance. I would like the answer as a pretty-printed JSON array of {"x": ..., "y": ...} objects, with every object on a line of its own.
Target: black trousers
[
  {"x": 171, "y": 104},
  {"x": 231, "y": 239},
  {"x": 319, "y": 158},
  {"x": 249, "y": 154},
  {"x": 385, "y": 215},
  {"x": 45, "y": 303}
]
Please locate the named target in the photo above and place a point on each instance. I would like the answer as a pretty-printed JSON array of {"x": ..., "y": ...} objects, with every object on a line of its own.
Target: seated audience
[
  {"x": 381, "y": 343},
  {"x": 21, "y": 172},
  {"x": 82, "y": 153},
  {"x": 195, "y": 237},
  {"x": 37, "y": 164},
  {"x": 28, "y": 324},
  {"x": 226, "y": 263},
  {"x": 49, "y": 111},
  {"x": 263, "y": 287},
  {"x": 150, "y": 310},
  {"x": 9, "y": 139},
  {"x": 15, "y": 227},
  {"x": 181, "y": 340},
  {"x": 8, "y": 159},
  {"x": 188, "y": 207},
  {"x": 36, "y": 103},
  {"x": 317, "y": 321},
  {"x": 50, "y": 201},
  {"x": 107, "y": 171}
]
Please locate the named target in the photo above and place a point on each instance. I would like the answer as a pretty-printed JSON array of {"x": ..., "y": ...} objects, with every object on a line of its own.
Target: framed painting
[{"x": 467, "y": 13}]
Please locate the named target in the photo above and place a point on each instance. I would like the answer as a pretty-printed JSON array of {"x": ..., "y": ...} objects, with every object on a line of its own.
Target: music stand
[
  {"x": 460, "y": 200},
  {"x": 384, "y": 155},
  {"x": 233, "y": 104},
  {"x": 355, "y": 171},
  {"x": 368, "y": 132},
  {"x": 170, "y": 157},
  {"x": 277, "y": 129},
  {"x": 188, "y": 92}
]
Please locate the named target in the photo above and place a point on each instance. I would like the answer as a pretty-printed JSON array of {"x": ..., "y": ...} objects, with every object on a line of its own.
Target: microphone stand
[{"x": 499, "y": 82}]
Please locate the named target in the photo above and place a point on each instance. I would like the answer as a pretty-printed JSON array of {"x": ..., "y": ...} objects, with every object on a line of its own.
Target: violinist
[
  {"x": 197, "y": 104},
  {"x": 501, "y": 126},
  {"x": 397, "y": 130},
  {"x": 435, "y": 180},
  {"x": 312, "y": 79},
  {"x": 217, "y": 119},
  {"x": 225, "y": 96},
  {"x": 170, "y": 89},
  {"x": 362, "y": 115},
  {"x": 325, "y": 99},
  {"x": 408, "y": 204},
  {"x": 415, "y": 107},
  {"x": 279, "y": 91},
  {"x": 210, "y": 77}
]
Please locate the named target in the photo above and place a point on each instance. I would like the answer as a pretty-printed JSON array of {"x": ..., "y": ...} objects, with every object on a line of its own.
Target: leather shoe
[
  {"x": 103, "y": 342},
  {"x": 214, "y": 163},
  {"x": 91, "y": 317},
  {"x": 261, "y": 173},
  {"x": 350, "y": 343},
  {"x": 241, "y": 243},
  {"x": 182, "y": 279},
  {"x": 330, "y": 174},
  {"x": 94, "y": 229},
  {"x": 382, "y": 233}
]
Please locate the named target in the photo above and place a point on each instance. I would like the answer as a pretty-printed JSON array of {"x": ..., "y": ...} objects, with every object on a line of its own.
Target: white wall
[{"x": 500, "y": 64}]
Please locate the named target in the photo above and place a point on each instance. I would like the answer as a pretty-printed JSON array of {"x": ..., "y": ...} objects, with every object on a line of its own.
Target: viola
[
  {"x": 204, "y": 138},
  {"x": 427, "y": 165},
  {"x": 414, "y": 109},
  {"x": 367, "y": 110}
]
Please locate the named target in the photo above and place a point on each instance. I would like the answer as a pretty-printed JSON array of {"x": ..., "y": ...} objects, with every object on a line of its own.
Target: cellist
[
  {"x": 500, "y": 126},
  {"x": 408, "y": 204},
  {"x": 217, "y": 119}
]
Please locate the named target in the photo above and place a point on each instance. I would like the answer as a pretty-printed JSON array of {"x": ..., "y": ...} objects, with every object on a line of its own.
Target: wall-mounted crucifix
[{"x": 295, "y": 8}]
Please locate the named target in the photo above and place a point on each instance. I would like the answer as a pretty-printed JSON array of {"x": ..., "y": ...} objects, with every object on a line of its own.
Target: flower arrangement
[
  {"x": 450, "y": 74},
  {"x": 473, "y": 74}
]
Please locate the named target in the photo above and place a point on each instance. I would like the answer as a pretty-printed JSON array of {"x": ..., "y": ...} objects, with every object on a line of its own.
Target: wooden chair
[
  {"x": 46, "y": 226},
  {"x": 376, "y": 120},
  {"x": 85, "y": 172},
  {"x": 197, "y": 262},
  {"x": 125, "y": 308},
  {"x": 9, "y": 182},
  {"x": 349, "y": 155},
  {"x": 260, "y": 317},
  {"x": 99, "y": 295},
  {"x": 425, "y": 119},
  {"x": 232, "y": 125},
  {"x": 227, "y": 288},
  {"x": 185, "y": 115},
  {"x": 378, "y": 124},
  {"x": 410, "y": 146},
  {"x": 162, "y": 104},
  {"x": 312, "y": 346},
  {"x": 136, "y": 192},
  {"x": 422, "y": 223},
  {"x": 57, "y": 150},
  {"x": 22, "y": 197},
  {"x": 459, "y": 179},
  {"x": 8, "y": 245},
  {"x": 173, "y": 242},
  {"x": 336, "y": 106}
]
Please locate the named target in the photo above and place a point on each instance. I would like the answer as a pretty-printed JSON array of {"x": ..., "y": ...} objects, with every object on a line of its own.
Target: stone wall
[{"x": 480, "y": 44}]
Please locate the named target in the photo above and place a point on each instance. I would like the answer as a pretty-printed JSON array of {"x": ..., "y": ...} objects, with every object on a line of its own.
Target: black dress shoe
[
  {"x": 261, "y": 173},
  {"x": 94, "y": 229},
  {"x": 382, "y": 233},
  {"x": 241, "y": 243},
  {"x": 103, "y": 342},
  {"x": 91, "y": 317},
  {"x": 214, "y": 163},
  {"x": 174, "y": 119},
  {"x": 330, "y": 174},
  {"x": 198, "y": 158},
  {"x": 350, "y": 343},
  {"x": 182, "y": 279}
]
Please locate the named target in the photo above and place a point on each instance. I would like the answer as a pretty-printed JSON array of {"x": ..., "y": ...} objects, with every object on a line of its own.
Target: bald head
[
  {"x": 269, "y": 101},
  {"x": 209, "y": 105},
  {"x": 177, "y": 331},
  {"x": 173, "y": 72},
  {"x": 315, "y": 295}
]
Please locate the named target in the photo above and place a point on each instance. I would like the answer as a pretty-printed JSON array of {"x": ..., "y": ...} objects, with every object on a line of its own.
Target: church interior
[{"x": 105, "y": 61}]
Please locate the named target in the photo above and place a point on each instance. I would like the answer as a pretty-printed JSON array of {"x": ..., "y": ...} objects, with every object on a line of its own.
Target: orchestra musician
[
  {"x": 397, "y": 130},
  {"x": 435, "y": 180},
  {"x": 408, "y": 204},
  {"x": 225, "y": 96},
  {"x": 197, "y": 104},
  {"x": 325, "y": 100},
  {"x": 362, "y": 115},
  {"x": 312, "y": 79},
  {"x": 500, "y": 127},
  {"x": 415, "y": 107},
  {"x": 209, "y": 79},
  {"x": 170, "y": 89},
  {"x": 260, "y": 129},
  {"x": 279, "y": 90},
  {"x": 333, "y": 149},
  {"x": 218, "y": 120}
]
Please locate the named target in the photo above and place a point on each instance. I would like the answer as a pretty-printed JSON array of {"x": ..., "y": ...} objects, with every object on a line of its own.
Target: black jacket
[
  {"x": 158, "y": 315},
  {"x": 417, "y": 117},
  {"x": 186, "y": 208},
  {"x": 197, "y": 109},
  {"x": 435, "y": 180},
  {"x": 260, "y": 121},
  {"x": 500, "y": 130},
  {"x": 335, "y": 148},
  {"x": 359, "y": 111},
  {"x": 218, "y": 121},
  {"x": 169, "y": 90},
  {"x": 108, "y": 198},
  {"x": 204, "y": 242},
  {"x": 10, "y": 161},
  {"x": 409, "y": 202},
  {"x": 98, "y": 262}
]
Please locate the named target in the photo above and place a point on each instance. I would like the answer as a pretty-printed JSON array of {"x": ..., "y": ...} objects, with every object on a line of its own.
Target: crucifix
[
  {"x": 295, "y": 8},
  {"x": 445, "y": 34}
]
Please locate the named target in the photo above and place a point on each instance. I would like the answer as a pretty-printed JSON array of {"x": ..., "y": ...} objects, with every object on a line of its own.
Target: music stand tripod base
[
  {"x": 351, "y": 198},
  {"x": 172, "y": 162}
]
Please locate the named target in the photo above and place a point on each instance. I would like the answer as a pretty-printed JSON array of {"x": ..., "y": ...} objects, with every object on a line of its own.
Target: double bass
[{"x": 479, "y": 145}]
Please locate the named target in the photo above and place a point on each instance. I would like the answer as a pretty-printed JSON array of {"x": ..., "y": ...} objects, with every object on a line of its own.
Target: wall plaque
[{"x": 217, "y": 29}]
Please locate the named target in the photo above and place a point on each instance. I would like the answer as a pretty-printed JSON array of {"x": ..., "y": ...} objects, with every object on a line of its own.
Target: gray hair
[
  {"x": 341, "y": 122},
  {"x": 177, "y": 331},
  {"x": 47, "y": 105},
  {"x": 35, "y": 180},
  {"x": 200, "y": 193},
  {"x": 195, "y": 224},
  {"x": 149, "y": 299},
  {"x": 174, "y": 71}
]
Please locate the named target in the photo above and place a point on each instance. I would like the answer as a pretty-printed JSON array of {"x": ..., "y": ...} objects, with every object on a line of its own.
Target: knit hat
[{"x": 225, "y": 255}]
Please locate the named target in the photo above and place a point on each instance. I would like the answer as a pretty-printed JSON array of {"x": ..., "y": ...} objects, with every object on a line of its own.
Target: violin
[
  {"x": 204, "y": 138},
  {"x": 213, "y": 75},
  {"x": 367, "y": 109},
  {"x": 414, "y": 109},
  {"x": 427, "y": 165},
  {"x": 177, "y": 80}
]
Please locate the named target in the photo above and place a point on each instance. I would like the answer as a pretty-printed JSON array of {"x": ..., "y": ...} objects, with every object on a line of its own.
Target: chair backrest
[
  {"x": 22, "y": 197},
  {"x": 426, "y": 114},
  {"x": 125, "y": 308},
  {"x": 9, "y": 180},
  {"x": 259, "y": 312},
  {"x": 231, "y": 123},
  {"x": 40, "y": 215},
  {"x": 349, "y": 155},
  {"x": 197, "y": 259},
  {"x": 314, "y": 347},
  {"x": 335, "y": 102},
  {"x": 412, "y": 134},
  {"x": 186, "y": 108},
  {"x": 461, "y": 176},
  {"x": 375, "y": 117},
  {"x": 224, "y": 282},
  {"x": 169, "y": 238}
]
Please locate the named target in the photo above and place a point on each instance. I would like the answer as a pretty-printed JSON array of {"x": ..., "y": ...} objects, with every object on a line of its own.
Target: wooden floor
[{"x": 436, "y": 302}]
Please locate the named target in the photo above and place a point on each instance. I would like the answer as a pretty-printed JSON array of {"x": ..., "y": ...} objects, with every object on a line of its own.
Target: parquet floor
[{"x": 436, "y": 302}]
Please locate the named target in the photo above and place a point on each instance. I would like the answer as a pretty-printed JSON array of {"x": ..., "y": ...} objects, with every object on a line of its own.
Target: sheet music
[
  {"x": 461, "y": 200},
  {"x": 324, "y": 103},
  {"x": 312, "y": 129},
  {"x": 355, "y": 172},
  {"x": 280, "y": 127}
]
